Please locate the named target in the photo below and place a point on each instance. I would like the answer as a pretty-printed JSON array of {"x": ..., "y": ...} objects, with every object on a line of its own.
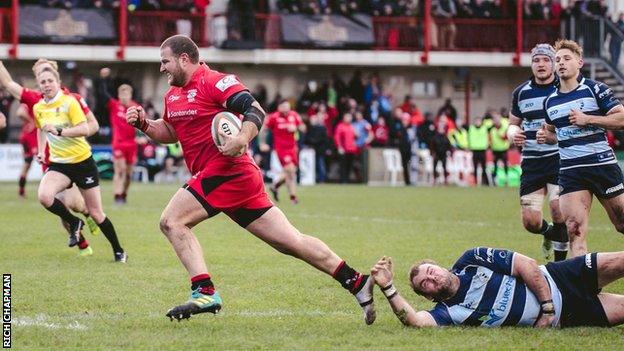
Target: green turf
[{"x": 271, "y": 301}]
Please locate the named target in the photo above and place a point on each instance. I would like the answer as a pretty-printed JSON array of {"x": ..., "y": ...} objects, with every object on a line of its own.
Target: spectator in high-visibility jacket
[
  {"x": 499, "y": 142},
  {"x": 459, "y": 136},
  {"x": 478, "y": 143}
]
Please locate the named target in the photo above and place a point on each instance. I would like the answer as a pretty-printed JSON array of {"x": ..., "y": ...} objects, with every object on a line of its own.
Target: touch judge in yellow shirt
[{"x": 61, "y": 121}]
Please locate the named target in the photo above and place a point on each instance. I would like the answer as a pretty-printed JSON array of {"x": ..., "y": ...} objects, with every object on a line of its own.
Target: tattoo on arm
[{"x": 402, "y": 316}]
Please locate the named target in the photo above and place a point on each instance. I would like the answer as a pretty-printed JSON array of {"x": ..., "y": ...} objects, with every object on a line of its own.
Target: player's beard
[
  {"x": 446, "y": 290},
  {"x": 177, "y": 77}
]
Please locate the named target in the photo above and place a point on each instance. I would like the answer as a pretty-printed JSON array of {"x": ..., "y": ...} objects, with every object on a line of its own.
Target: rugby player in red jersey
[
  {"x": 28, "y": 139},
  {"x": 284, "y": 123},
  {"x": 124, "y": 139},
  {"x": 222, "y": 182}
]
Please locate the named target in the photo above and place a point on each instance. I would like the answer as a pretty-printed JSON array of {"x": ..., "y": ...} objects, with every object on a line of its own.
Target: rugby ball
[{"x": 226, "y": 122}]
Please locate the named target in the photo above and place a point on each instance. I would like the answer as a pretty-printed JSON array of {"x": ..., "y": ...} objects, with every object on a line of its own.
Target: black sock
[
  {"x": 203, "y": 282},
  {"x": 22, "y": 182},
  {"x": 59, "y": 209},
  {"x": 110, "y": 234},
  {"x": 559, "y": 237},
  {"x": 544, "y": 227},
  {"x": 349, "y": 278}
]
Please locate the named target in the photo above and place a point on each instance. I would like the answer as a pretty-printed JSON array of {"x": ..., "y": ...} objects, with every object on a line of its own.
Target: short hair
[
  {"x": 54, "y": 73},
  {"x": 42, "y": 61},
  {"x": 124, "y": 87},
  {"x": 181, "y": 44},
  {"x": 414, "y": 272},
  {"x": 570, "y": 45}
]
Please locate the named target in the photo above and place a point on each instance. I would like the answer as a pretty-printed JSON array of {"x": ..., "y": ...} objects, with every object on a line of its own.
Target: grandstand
[{"x": 412, "y": 68}]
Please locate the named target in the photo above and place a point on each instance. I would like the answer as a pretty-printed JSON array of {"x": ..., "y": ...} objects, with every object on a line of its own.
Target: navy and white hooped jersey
[
  {"x": 581, "y": 146},
  {"x": 489, "y": 295},
  {"x": 527, "y": 103}
]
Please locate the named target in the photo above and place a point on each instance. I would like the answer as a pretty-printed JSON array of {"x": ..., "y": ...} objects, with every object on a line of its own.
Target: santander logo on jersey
[{"x": 182, "y": 115}]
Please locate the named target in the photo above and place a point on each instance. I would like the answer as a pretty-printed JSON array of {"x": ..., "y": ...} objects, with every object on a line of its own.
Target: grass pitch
[{"x": 271, "y": 301}]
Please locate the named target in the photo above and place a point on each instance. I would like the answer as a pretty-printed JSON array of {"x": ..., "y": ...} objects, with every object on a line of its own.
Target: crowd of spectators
[{"x": 345, "y": 119}]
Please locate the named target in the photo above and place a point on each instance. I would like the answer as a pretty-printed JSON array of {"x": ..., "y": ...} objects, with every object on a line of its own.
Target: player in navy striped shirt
[
  {"x": 578, "y": 115},
  {"x": 540, "y": 162},
  {"x": 493, "y": 287}
]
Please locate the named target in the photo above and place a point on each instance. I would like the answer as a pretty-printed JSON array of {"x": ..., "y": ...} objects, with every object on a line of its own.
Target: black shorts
[
  {"x": 84, "y": 173},
  {"x": 603, "y": 181},
  {"x": 537, "y": 172},
  {"x": 577, "y": 280}
]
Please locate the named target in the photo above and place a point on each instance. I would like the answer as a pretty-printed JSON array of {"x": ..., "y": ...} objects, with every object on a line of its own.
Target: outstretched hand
[{"x": 383, "y": 271}]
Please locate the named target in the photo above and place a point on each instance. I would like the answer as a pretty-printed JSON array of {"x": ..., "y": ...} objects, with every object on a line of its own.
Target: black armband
[{"x": 241, "y": 103}]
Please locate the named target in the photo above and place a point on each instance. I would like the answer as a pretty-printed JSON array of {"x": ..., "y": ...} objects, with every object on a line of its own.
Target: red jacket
[{"x": 344, "y": 137}]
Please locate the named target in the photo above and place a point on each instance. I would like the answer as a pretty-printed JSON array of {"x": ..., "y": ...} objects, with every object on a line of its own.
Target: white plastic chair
[
  {"x": 140, "y": 171},
  {"x": 392, "y": 160},
  {"x": 425, "y": 171}
]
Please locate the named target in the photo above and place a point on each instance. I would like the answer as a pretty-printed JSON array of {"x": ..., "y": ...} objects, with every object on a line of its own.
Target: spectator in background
[
  {"x": 496, "y": 9},
  {"x": 373, "y": 89},
  {"x": 440, "y": 149},
  {"x": 240, "y": 19},
  {"x": 478, "y": 144},
  {"x": 426, "y": 130},
  {"x": 381, "y": 133},
  {"x": 363, "y": 131},
  {"x": 344, "y": 138},
  {"x": 407, "y": 136},
  {"x": 445, "y": 11},
  {"x": 318, "y": 139},
  {"x": 6, "y": 100},
  {"x": 112, "y": 4},
  {"x": 83, "y": 86},
  {"x": 356, "y": 86},
  {"x": 499, "y": 144},
  {"x": 260, "y": 94},
  {"x": 310, "y": 95},
  {"x": 103, "y": 90},
  {"x": 448, "y": 109},
  {"x": 615, "y": 44},
  {"x": 364, "y": 137},
  {"x": 174, "y": 166},
  {"x": 147, "y": 156},
  {"x": 289, "y": 6},
  {"x": 459, "y": 136},
  {"x": 480, "y": 9}
]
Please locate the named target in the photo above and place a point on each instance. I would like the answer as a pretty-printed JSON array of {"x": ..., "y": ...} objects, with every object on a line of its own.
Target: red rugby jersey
[
  {"x": 123, "y": 133},
  {"x": 191, "y": 109},
  {"x": 283, "y": 139}
]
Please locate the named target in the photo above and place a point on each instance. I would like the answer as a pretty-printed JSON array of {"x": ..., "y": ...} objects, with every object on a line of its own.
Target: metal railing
[{"x": 150, "y": 28}]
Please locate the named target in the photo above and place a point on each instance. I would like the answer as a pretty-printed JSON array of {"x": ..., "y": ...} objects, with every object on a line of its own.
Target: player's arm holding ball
[
  {"x": 242, "y": 103},
  {"x": 160, "y": 131}
]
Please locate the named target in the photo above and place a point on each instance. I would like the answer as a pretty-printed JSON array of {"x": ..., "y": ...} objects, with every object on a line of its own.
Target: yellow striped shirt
[{"x": 63, "y": 111}]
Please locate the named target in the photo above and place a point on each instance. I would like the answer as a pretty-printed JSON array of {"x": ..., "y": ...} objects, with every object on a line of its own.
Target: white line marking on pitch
[{"x": 41, "y": 320}]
